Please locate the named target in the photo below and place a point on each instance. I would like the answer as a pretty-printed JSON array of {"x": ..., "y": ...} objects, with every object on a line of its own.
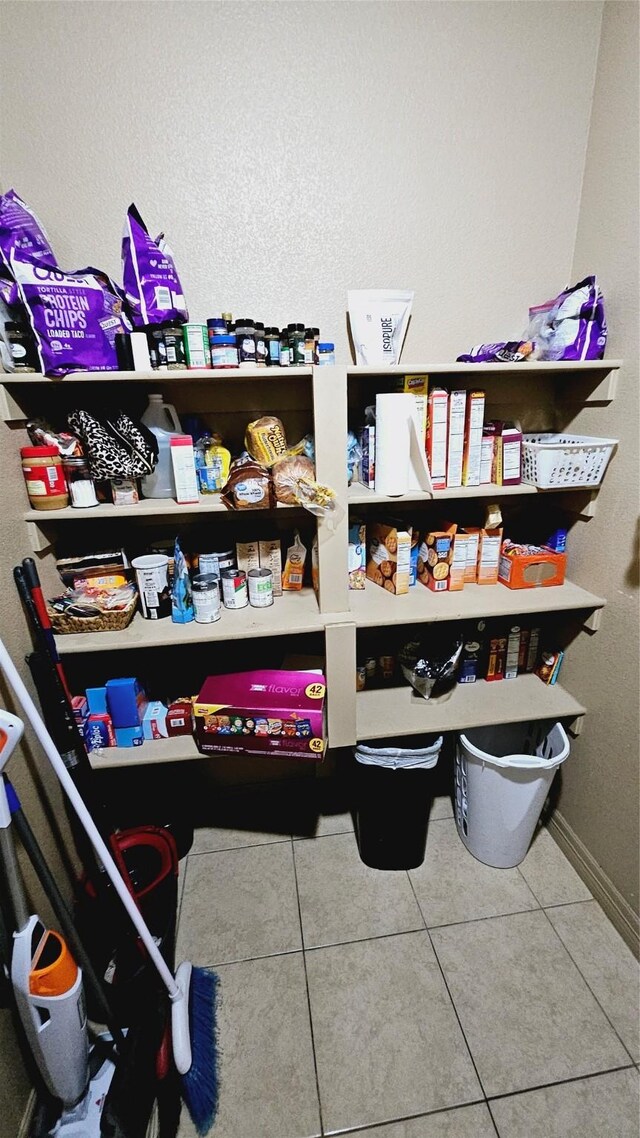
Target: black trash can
[{"x": 393, "y": 791}]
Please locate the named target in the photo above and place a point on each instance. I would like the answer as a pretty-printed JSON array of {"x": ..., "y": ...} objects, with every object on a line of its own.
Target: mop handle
[{"x": 31, "y": 712}]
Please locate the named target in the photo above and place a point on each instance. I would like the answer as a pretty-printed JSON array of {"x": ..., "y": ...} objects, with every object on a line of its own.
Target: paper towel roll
[
  {"x": 393, "y": 444},
  {"x": 400, "y": 459}
]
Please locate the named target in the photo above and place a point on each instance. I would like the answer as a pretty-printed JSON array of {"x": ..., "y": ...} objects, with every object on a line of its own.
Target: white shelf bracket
[
  {"x": 38, "y": 540},
  {"x": 10, "y": 410},
  {"x": 575, "y": 727},
  {"x": 340, "y": 643},
  {"x": 593, "y": 622}
]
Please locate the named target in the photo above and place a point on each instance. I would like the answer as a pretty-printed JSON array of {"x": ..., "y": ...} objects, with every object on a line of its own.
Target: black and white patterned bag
[{"x": 115, "y": 447}]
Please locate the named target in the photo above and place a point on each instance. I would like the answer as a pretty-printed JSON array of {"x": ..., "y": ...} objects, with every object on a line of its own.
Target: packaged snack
[
  {"x": 273, "y": 712},
  {"x": 497, "y": 656},
  {"x": 533, "y": 649},
  {"x": 434, "y": 560},
  {"x": 489, "y": 542},
  {"x": 249, "y": 486},
  {"x": 472, "y": 458},
  {"x": 459, "y": 561},
  {"x": 418, "y": 386},
  {"x": 265, "y": 440},
  {"x": 437, "y": 427},
  {"x": 472, "y": 654},
  {"x": 549, "y": 666},
  {"x": 530, "y": 566},
  {"x": 181, "y": 595},
  {"x": 504, "y": 352},
  {"x": 154, "y": 722},
  {"x": 357, "y": 555},
  {"x": 293, "y": 576},
  {"x": 513, "y": 652},
  {"x": 455, "y": 437},
  {"x": 389, "y": 556},
  {"x": 179, "y": 720},
  {"x": 212, "y": 464},
  {"x": 507, "y": 453},
  {"x": 74, "y": 316},
  {"x": 573, "y": 326},
  {"x": 378, "y": 319},
  {"x": 20, "y": 230},
  {"x": 294, "y": 483},
  {"x": 430, "y": 663},
  {"x": 247, "y": 555},
  {"x": 150, "y": 277}
]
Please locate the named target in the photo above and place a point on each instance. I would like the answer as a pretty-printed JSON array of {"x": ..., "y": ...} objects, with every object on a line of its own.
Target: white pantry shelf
[
  {"x": 374, "y": 606},
  {"x": 384, "y": 713},
  {"x": 485, "y": 371},
  {"x": 359, "y": 495},
  {"x": 291, "y": 613},
  {"x": 178, "y": 749},
  {"x": 166, "y": 375},
  {"x": 145, "y": 508}
]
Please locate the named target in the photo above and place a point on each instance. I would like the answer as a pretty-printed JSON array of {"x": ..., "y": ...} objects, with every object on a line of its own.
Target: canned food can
[
  {"x": 212, "y": 564},
  {"x": 260, "y": 588},
  {"x": 234, "y": 588},
  {"x": 206, "y": 599},
  {"x": 387, "y": 667},
  {"x": 361, "y": 677}
]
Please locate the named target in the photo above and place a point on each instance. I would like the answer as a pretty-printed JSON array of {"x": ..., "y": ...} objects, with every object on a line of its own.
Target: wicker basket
[
  {"x": 111, "y": 621},
  {"x": 554, "y": 461}
]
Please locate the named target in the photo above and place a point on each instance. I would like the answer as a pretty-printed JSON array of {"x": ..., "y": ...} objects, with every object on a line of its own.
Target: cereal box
[
  {"x": 266, "y": 712},
  {"x": 389, "y": 556}
]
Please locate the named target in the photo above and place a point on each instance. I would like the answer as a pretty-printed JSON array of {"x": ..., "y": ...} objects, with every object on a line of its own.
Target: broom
[{"x": 193, "y": 991}]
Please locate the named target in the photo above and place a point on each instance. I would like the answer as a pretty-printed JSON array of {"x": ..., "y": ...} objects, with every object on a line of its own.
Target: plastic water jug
[{"x": 162, "y": 419}]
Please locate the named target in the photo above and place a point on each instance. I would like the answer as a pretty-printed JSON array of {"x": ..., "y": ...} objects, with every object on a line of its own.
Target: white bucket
[{"x": 499, "y": 797}]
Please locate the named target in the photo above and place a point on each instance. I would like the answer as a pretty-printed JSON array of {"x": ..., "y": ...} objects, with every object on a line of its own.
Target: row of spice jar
[{"x": 222, "y": 343}]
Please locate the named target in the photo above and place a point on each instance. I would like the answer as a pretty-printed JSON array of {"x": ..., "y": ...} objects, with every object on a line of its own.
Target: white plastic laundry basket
[
  {"x": 564, "y": 460},
  {"x": 401, "y": 758},
  {"x": 503, "y": 776}
]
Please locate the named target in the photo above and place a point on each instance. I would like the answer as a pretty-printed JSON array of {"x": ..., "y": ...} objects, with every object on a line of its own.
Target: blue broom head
[{"x": 200, "y": 1084}]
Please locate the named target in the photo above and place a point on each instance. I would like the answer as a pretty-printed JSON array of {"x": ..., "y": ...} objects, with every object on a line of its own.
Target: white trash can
[{"x": 502, "y": 778}]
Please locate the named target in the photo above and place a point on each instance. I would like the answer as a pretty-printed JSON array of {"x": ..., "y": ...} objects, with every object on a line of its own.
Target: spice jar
[
  {"x": 224, "y": 351},
  {"x": 326, "y": 353},
  {"x": 296, "y": 344},
  {"x": 261, "y": 345},
  {"x": 44, "y": 477},
  {"x": 316, "y": 339},
  {"x": 285, "y": 350},
  {"x": 22, "y": 346},
  {"x": 174, "y": 347},
  {"x": 246, "y": 341},
  {"x": 309, "y": 346},
  {"x": 273, "y": 347},
  {"x": 81, "y": 489},
  {"x": 228, "y": 319}
]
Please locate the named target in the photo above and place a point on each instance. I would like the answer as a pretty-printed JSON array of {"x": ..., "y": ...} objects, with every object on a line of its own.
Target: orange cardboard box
[
  {"x": 389, "y": 556},
  {"x": 459, "y": 562},
  {"x": 489, "y": 556},
  {"x": 530, "y": 566}
]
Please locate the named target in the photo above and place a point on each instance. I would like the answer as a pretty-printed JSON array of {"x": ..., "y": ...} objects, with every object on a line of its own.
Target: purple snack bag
[
  {"x": 150, "y": 278},
  {"x": 573, "y": 326},
  {"x": 21, "y": 230},
  {"x": 509, "y": 352},
  {"x": 74, "y": 316}
]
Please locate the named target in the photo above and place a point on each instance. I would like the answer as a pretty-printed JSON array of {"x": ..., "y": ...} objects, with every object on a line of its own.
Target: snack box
[
  {"x": 154, "y": 724},
  {"x": 357, "y": 555},
  {"x": 437, "y": 427},
  {"x": 530, "y": 566},
  {"x": 277, "y": 712},
  {"x": 180, "y": 718},
  {"x": 389, "y": 557},
  {"x": 460, "y": 552},
  {"x": 435, "y": 559},
  {"x": 489, "y": 545}
]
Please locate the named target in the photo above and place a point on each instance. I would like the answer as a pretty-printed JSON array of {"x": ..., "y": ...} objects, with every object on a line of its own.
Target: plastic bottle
[{"x": 162, "y": 419}]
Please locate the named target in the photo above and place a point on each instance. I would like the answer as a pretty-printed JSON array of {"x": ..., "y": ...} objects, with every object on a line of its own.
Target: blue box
[
  {"x": 126, "y": 701},
  {"x": 154, "y": 724},
  {"x": 129, "y": 736},
  {"x": 97, "y": 700}
]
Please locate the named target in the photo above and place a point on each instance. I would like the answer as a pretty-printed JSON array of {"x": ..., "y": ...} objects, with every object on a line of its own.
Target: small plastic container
[
  {"x": 224, "y": 352},
  {"x": 44, "y": 477},
  {"x": 326, "y": 354}
]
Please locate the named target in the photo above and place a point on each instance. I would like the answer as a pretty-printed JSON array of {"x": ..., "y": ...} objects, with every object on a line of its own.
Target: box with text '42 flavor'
[{"x": 276, "y": 713}]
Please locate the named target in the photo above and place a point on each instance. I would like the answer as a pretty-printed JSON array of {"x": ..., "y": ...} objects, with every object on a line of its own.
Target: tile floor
[{"x": 453, "y": 1001}]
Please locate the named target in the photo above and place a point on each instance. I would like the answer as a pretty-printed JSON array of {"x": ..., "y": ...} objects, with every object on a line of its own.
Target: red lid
[{"x": 40, "y": 452}]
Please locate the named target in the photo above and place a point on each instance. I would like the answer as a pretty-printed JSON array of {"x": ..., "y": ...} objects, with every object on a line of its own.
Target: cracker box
[
  {"x": 418, "y": 386},
  {"x": 472, "y": 457},
  {"x": 507, "y": 461},
  {"x": 434, "y": 560},
  {"x": 489, "y": 544},
  {"x": 357, "y": 555},
  {"x": 530, "y": 566},
  {"x": 389, "y": 557},
  {"x": 277, "y": 713},
  {"x": 459, "y": 561},
  {"x": 473, "y": 543},
  {"x": 455, "y": 438}
]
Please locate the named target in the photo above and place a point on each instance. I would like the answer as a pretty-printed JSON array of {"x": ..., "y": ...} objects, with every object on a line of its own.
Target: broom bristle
[{"x": 200, "y": 1084}]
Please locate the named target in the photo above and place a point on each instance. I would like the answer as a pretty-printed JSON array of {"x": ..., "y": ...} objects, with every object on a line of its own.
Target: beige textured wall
[
  {"x": 601, "y": 794},
  {"x": 294, "y": 150}
]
